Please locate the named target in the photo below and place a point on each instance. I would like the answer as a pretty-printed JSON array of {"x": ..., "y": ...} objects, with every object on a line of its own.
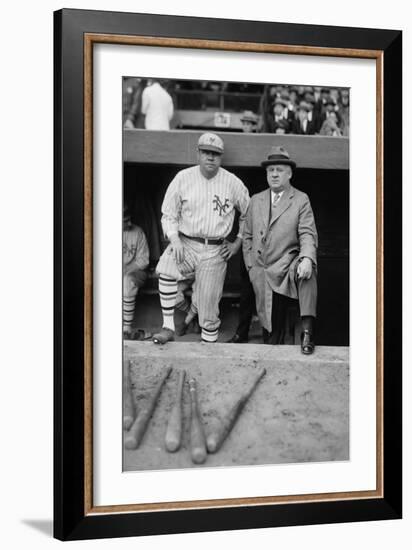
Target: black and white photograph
[{"x": 235, "y": 273}]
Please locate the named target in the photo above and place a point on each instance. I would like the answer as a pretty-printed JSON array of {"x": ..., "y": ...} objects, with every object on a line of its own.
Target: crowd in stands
[
  {"x": 305, "y": 110},
  {"x": 269, "y": 108}
]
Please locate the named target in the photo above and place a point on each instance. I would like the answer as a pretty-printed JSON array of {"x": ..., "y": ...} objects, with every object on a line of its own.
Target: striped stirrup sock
[
  {"x": 209, "y": 335},
  {"x": 168, "y": 293},
  {"x": 128, "y": 311}
]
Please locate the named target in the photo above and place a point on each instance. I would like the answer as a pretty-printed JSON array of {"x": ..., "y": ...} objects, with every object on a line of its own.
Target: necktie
[{"x": 276, "y": 198}]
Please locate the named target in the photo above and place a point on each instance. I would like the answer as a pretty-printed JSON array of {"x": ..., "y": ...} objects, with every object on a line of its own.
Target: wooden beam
[{"x": 178, "y": 147}]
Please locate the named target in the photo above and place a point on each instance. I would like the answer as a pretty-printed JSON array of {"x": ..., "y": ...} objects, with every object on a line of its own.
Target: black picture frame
[{"x": 71, "y": 518}]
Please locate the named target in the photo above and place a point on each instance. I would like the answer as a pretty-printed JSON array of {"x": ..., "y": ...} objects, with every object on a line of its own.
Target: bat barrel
[
  {"x": 138, "y": 429},
  {"x": 197, "y": 435}
]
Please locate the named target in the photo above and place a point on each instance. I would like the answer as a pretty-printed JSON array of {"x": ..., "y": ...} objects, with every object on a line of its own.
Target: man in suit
[
  {"x": 279, "y": 247},
  {"x": 281, "y": 115},
  {"x": 302, "y": 125}
]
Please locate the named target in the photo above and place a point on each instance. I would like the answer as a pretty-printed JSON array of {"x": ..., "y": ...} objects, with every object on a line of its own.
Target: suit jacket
[
  {"x": 311, "y": 128},
  {"x": 273, "y": 242}
]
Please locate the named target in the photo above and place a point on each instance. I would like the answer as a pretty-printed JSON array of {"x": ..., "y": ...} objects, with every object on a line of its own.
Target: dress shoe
[
  {"x": 307, "y": 343},
  {"x": 237, "y": 339}
]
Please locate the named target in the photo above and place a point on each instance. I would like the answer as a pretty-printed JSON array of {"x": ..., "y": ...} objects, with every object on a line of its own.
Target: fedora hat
[
  {"x": 278, "y": 155},
  {"x": 249, "y": 116},
  {"x": 280, "y": 101}
]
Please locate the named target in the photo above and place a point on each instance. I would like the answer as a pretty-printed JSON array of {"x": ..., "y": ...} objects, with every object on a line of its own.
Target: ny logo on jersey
[{"x": 219, "y": 206}]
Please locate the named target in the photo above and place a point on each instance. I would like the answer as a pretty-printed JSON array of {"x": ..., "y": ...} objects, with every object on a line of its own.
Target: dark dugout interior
[{"x": 328, "y": 190}]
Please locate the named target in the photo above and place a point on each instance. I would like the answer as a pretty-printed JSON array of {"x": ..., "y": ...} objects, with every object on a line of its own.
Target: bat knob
[
  {"x": 172, "y": 445},
  {"x": 198, "y": 455},
  {"x": 130, "y": 442},
  {"x": 211, "y": 443},
  {"x": 127, "y": 422}
]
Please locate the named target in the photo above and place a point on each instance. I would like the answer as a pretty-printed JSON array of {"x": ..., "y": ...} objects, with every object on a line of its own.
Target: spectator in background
[
  {"x": 329, "y": 107},
  {"x": 302, "y": 125},
  {"x": 293, "y": 100},
  {"x": 288, "y": 111},
  {"x": 334, "y": 94},
  {"x": 157, "y": 106},
  {"x": 312, "y": 115},
  {"x": 330, "y": 126},
  {"x": 282, "y": 127},
  {"x": 249, "y": 122},
  {"x": 316, "y": 93},
  {"x": 343, "y": 110},
  {"x": 320, "y": 106},
  {"x": 132, "y": 101},
  {"x": 280, "y": 114}
]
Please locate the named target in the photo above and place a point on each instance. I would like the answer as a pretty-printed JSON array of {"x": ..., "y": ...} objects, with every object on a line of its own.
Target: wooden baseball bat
[
  {"x": 174, "y": 427},
  {"x": 197, "y": 434},
  {"x": 136, "y": 432},
  {"x": 129, "y": 410},
  {"x": 217, "y": 437}
]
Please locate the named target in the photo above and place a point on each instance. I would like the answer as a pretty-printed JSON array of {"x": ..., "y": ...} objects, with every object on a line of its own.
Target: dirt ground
[{"x": 299, "y": 412}]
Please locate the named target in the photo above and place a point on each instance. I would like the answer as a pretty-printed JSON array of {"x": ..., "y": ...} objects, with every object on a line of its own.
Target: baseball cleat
[{"x": 163, "y": 336}]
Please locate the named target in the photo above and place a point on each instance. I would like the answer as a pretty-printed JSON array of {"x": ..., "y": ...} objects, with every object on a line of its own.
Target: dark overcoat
[{"x": 274, "y": 240}]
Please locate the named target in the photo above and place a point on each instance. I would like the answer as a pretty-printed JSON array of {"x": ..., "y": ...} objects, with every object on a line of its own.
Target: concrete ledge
[
  {"x": 298, "y": 413},
  {"x": 238, "y": 352},
  {"x": 178, "y": 147}
]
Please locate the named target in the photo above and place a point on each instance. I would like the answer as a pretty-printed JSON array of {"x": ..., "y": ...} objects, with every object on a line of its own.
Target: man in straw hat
[
  {"x": 279, "y": 247},
  {"x": 197, "y": 215}
]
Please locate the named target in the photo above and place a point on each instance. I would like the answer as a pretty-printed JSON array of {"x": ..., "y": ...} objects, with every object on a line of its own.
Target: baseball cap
[{"x": 211, "y": 142}]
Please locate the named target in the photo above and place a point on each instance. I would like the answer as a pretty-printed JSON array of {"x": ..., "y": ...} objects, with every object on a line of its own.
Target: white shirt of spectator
[
  {"x": 200, "y": 207},
  {"x": 157, "y": 105}
]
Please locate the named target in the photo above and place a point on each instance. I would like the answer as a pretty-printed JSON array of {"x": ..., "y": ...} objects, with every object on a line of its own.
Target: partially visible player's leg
[
  {"x": 208, "y": 290},
  {"x": 184, "y": 304},
  {"x": 169, "y": 275},
  {"x": 182, "y": 300},
  {"x": 167, "y": 295},
  {"x": 132, "y": 281}
]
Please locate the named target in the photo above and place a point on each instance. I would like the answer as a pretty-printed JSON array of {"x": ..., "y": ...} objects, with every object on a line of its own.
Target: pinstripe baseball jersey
[
  {"x": 201, "y": 207},
  {"x": 135, "y": 248}
]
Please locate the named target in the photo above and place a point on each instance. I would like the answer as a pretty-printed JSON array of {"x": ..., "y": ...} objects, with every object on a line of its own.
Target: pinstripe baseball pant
[
  {"x": 133, "y": 279},
  {"x": 204, "y": 263}
]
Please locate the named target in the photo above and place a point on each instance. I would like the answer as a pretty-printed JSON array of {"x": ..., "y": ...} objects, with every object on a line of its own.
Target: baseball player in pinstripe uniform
[
  {"x": 198, "y": 212},
  {"x": 135, "y": 262}
]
